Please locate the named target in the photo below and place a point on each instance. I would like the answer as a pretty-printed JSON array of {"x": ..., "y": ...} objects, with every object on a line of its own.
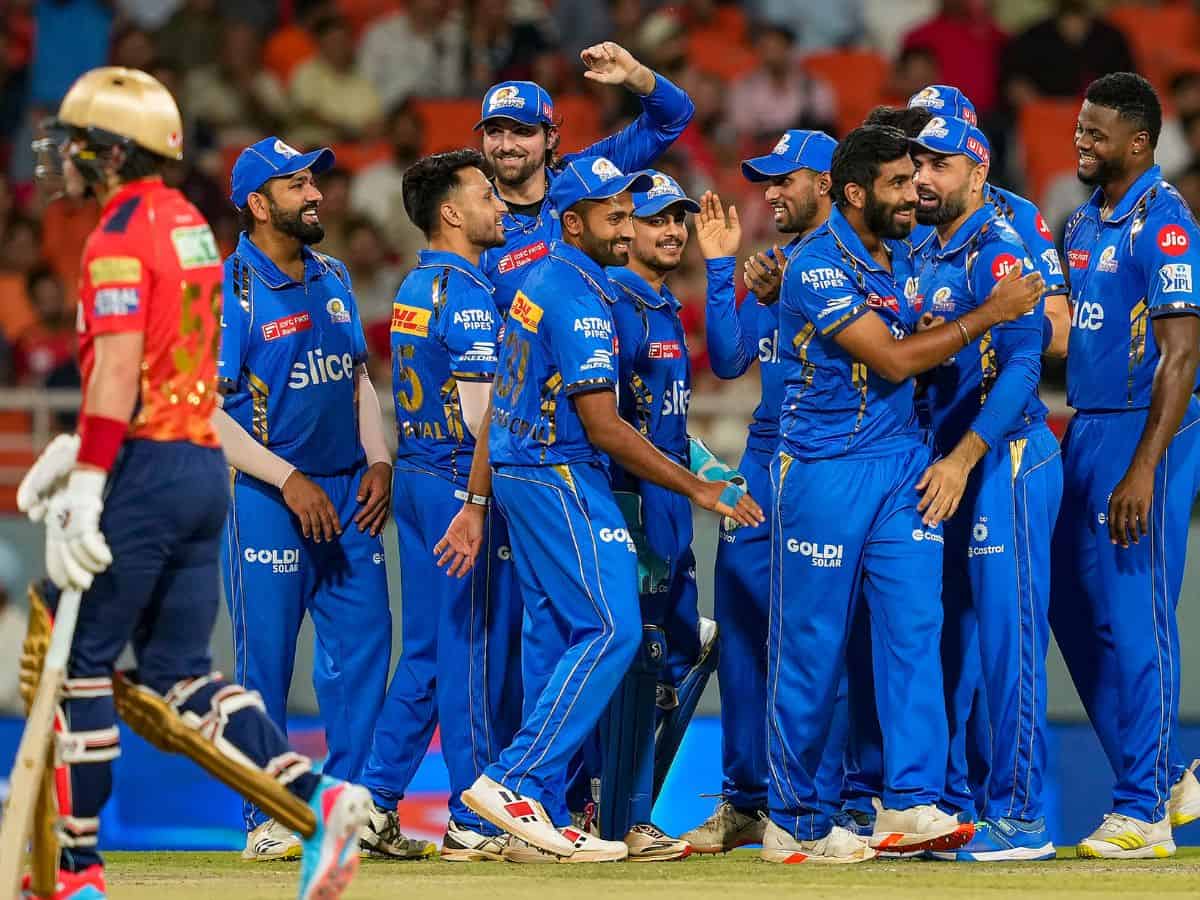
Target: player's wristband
[
  {"x": 473, "y": 499},
  {"x": 100, "y": 440},
  {"x": 962, "y": 329}
]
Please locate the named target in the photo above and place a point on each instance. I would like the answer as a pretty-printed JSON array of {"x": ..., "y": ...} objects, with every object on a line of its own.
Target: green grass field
[{"x": 222, "y": 876}]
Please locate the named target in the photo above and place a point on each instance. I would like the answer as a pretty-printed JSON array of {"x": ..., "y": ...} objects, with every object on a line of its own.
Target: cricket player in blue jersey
[
  {"x": 849, "y": 420},
  {"x": 1130, "y": 460},
  {"x": 520, "y": 138},
  {"x": 989, "y": 430},
  {"x": 459, "y": 663},
  {"x": 795, "y": 180},
  {"x": 303, "y": 432},
  {"x": 553, "y": 424}
]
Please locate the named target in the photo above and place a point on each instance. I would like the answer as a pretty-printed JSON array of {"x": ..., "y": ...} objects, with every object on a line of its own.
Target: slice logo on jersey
[
  {"x": 1043, "y": 228},
  {"x": 282, "y": 562},
  {"x": 888, "y": 302},
  {"x": 410, "y": 320},
  {"x": 935, "y": 127},
  {"x": 920, "y": 535},
  {"x": 836, "y": 304},
  {"x": 677, "y": 398},
  {"x": 525, "y": 311},
  {"x": 1003, "y": 264},
  {"x": 195, "y": 246},
  {"x": 116, "y": 301},
  {"x": 522, "y": 257},
  {"x": 823, "y": 278},
  {"x": 1087, "y": 316},
  {"x": 1108, "y": 260},
  {"x": 287, "y": 326},
  {"x": 605, "y": 169},
  {"x": 942, "y": 301},
  {"x": 600, "y": 359},
  {"x": 822, "y": 556},
  {"x": 665, "y": 350},
  {"x": 768, "y": 348},
  {"x": 287, "y": 151},
  {"x": 317, "y": 368},
  {"x": 507, "y": 97},
  {"x": 1079, "y": 259},
  {"x": 474, "y": 319},
  {"x": 338, "y": 313},
  {"x": 114, "y": 270},
  {"x": 1176, "y": 278},
  {"x": 1173, "y": 240},
  {"x": 1053, "y": 263}
]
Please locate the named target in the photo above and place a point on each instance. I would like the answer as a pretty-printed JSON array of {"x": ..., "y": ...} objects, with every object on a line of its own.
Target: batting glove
[
  {"x": 47, "y": 475},
  {"x": 75, "y": 547}
]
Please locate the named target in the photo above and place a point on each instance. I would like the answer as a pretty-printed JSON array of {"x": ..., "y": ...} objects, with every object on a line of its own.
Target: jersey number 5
[{"x": 411, "y": 400}]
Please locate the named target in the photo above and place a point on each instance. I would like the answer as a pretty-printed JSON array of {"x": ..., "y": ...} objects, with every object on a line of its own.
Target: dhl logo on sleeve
[
  {"x": 410, "y": 320},
  {"x": 114, "y": 270},
  {"x": 526, "y": 312}
]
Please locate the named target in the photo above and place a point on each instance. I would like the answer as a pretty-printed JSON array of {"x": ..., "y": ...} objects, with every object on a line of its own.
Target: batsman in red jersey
[{"x": 135, "y": 504}]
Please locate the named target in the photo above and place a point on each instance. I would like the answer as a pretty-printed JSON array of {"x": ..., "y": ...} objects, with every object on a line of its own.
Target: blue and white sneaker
[
  {"x": 1004, "y": 840},
  {"x": 331, "y": 854},
  {"x": 855, "y": 821}
]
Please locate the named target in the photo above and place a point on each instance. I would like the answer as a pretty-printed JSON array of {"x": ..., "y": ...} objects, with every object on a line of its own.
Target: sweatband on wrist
[
  {"x": 1047, "y": 333},
  {"x": 100, "y": 440}
]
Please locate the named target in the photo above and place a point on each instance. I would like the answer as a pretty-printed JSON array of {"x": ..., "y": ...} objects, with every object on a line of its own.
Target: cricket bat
[{"x": 26, "y": 777}]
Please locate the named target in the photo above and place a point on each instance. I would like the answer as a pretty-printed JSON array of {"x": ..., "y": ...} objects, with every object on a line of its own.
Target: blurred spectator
[
  {"x": 16, "y": 44},
  {"x": 334, "y": 186},
  {"x": 707, "y": 138},
  {"x": 778, "y": 95},
  {"x": 192, "y": 37},
  {"x": 148, "y": 14},
  {"x": 211, "y": 198},
  {"x": 13, "y": 625},
  {"x": 888, "y": 21},
  {"x": 374, "y": 278},
  {"x": 133, "y": 49},
  {"x": 1062, "y": 54},
  {"x": 967, "y": 44},
  {"x": 72, "y": 37},
  {"x": 502, "y": 47},
  {"x": 1173, "y": 152},
  {"x": 581, "y": 23},
  {"x": 235, "y": 101},
  {"x": 18, "y": 256},
  {"x": 626, "y": 18},
  {"x": 1188, "y": 182},
  {"x": 331, "y": 101},
  {"x": 294, "y": 43},
  {"x": 663, "y": 43},
  {"x": 418, "y": 52},
  {"x": 66, "y": 224},
  {"x": 50, "y": 343},
  {"x": 378, "y": 190},
  {"x": 818, "y": 24},
  {"x": 914, "y": 69}
]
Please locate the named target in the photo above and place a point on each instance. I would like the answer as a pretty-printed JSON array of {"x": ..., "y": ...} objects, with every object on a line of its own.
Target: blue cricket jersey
[
  {"x": 1125, "y": 270},
  {"x": 559, "y": 340},
  {"x": 989, "y": 387},
  {"x": 834, "y": 405},
  {"x": 289, "y": 352},
  {"x": 444, "y": 330},
  {"x": 666, "y": 112}
]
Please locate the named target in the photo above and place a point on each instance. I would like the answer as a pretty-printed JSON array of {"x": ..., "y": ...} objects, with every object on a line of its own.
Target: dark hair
[
  {"x": 1183, "y": 79},
  {"x": 140, "y": 163},
  {"x": 246, "y": 219},
  {"x": 1134, "y": 99},
  {"x": 40, "y": 272},
  {"x": 777, "y": 29},
  {"x": 430, "y": 179},
  {"x": 915, "y": 51},
  {"x": 910, "y": 120},
  {"x": 861, "y": 153},
  {"x": 326, "y": 24}
]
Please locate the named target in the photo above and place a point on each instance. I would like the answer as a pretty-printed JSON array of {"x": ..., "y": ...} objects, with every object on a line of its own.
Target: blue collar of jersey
[
  {"x": 444, "y": 259},
  {"x": 521, "y": 222},
  {"x": 588, "y": 267},
  {"x": 1148, "y": 179},
  {"x": 966, "y": 231},
  {"x": 641, "y": 288},
  {"x": 843, "y": 232},
  {"x": 315, "y": 264}
]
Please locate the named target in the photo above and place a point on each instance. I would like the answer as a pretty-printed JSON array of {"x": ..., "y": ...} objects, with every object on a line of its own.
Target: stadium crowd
[{"x": 386, "y": 81}]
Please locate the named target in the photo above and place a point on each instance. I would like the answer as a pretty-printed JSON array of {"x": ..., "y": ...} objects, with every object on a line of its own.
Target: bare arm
[
  {"x": 112, "y": 391},
  {"x": 460, "y": 545},
  {"x": 247, "y": 455},
  {"x": 1058, "y": 311},
  {"x": 370, "y": 421}
]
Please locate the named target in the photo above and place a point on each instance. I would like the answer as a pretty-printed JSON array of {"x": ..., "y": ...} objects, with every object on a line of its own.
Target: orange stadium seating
[
  {"x": 858, "y": 76},
  {"x": 1162, "y": 38},
  {"x": 1046, "y": 129}
]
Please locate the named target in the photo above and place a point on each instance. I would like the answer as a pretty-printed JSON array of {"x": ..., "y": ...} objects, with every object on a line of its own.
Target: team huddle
[{"x": 897, "y": 542}]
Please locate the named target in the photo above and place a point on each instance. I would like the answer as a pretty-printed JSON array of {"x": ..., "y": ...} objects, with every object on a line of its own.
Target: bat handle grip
[{"x": 65, "y": 617}]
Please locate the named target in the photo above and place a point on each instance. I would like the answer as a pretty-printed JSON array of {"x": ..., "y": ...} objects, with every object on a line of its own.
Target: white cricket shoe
[
  {"x": 918, "y": 829},
  {"x": 522, "y": 817},
  {"x": 586, "y": 848},
  {"x": 648, "y": 843},
  {"x": 1120, "y": 837},
  {"x": 839, "y": 847},
  {"x": 1184, "y": 805},
  {"x": 726, "y": 829},
  {"x": 467, "y": 845},
  {"x": 270, "y": 842},
  {"x": 382, "y": 838}
]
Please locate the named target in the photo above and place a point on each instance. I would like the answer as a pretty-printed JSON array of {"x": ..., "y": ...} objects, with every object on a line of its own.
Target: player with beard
[
  {"x": 796, "y": 184},
  {"x": 848, "y": 419},
  {"x": 998, "y": 455},
  {"x": 520, "y": 136},
  {"x": 554, "y": 427},
  {"x": 460, "y": 638},
  {"x": 312, "y": 472},
  {"x": 1130, "y": 461}
]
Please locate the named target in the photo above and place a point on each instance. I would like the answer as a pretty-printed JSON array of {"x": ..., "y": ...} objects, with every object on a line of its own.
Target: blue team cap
[
  {"x": 797, "y": 149},
  {"x": 593, "y": 178},
  {"x": 664, "y": 191},
  {"x": 272, "y": 158},
  {"x": 944, "y": 100},
  {"x": 522, "y": 101},
  {"x": 950, "y": 136}
]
